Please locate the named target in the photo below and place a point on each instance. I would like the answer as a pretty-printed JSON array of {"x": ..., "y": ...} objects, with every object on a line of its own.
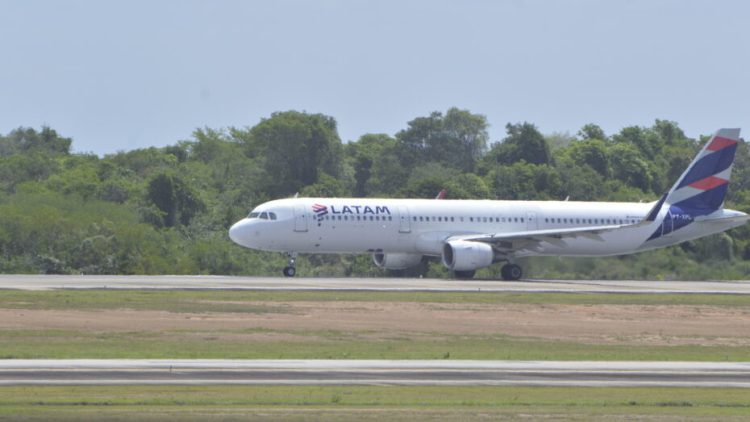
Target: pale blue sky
[{"x": 119, "y": 75}]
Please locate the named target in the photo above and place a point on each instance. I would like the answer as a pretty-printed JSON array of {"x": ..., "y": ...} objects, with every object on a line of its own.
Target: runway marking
[
  {"x": 374, "y": 372},
  {"x": 43, "y": 282}
]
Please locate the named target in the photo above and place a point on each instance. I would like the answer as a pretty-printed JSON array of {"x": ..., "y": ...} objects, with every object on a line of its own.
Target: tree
[
  {"x": 592, "y": 153},
  {"x": 592, "y": 131},
  {"x": 456, "y": 140},
  {"x": 647, "y": 141},
  {"x": 630, "y": 167},
  {"x": 669, "y": 131},
  {"x": 523, "y": 143},
  {"x": 296, "y": 147},
  {"x": 524, "y": 181},
  {"x": 363, "y": 154},
  {"x": 177, "y": 202},
  {"x": 24, "y": 140}
]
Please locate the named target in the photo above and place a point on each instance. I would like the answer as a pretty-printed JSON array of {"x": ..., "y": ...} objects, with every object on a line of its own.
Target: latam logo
[{"x": 321, "y": 210}]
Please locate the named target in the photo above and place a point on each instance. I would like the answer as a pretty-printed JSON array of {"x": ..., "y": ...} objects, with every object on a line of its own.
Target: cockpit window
[{"x": 265, "y": 215}]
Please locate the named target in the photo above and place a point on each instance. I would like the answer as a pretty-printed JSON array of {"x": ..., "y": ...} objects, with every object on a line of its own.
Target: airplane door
[
  {"x": 531, "y": 223},
  {"x": 300, "y": 218},
  {"x": 404, "y": 222}
]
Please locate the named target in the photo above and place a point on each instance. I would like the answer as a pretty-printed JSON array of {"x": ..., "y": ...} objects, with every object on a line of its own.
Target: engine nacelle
[
  {"x": 396, "y": 261},
  {"x": 462, "y": 255}
]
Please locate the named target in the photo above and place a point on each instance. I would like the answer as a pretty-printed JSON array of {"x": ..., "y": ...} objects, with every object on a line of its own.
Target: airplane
[{"x": 471, "y": 234}]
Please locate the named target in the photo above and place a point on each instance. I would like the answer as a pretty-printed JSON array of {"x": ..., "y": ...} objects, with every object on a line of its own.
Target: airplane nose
[{"x": 240, "y": 232}]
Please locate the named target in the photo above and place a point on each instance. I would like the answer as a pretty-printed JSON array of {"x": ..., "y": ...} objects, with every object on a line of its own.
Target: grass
[
  {"x": 367, "y": 403},
  {"x": 230, "y": 301},
  {"x": 325, "y": 344},
  {"x": 230, "y": 344}
]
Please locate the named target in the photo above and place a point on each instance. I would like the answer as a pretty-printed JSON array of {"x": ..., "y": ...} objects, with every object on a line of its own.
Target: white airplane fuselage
[{"x": 419, "y": 226}]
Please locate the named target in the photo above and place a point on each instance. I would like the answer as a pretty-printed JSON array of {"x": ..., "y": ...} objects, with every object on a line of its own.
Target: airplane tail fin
[{"x": 702, "y": 187}]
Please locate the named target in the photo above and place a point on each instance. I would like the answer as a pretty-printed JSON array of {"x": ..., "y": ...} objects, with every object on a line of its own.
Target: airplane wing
[{"x": 515, "y": 241}]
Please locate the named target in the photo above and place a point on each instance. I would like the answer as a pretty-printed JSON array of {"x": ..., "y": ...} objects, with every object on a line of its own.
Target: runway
[
  {"x": 374, "y": 372},
  {"x": 50, "y": 282}
]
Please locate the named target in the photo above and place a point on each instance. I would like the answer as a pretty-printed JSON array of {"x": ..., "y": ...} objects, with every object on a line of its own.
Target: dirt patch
[{"x": 600, "y": 324}]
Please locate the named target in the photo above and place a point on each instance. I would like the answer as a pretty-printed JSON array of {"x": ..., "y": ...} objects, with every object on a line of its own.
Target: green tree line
[{"x": 167, "y": 210}]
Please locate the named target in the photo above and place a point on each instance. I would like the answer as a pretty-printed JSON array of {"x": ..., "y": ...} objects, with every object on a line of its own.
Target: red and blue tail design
[{"x": 702, "y": 187}]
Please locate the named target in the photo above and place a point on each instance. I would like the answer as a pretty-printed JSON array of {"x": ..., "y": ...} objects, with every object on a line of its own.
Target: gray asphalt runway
[
  {"x": 47, "y": 282},
  {"x": 373, "y": 372}
]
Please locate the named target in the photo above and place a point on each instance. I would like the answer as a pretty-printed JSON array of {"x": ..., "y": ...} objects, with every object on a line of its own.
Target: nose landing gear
[{"x": 290, "y": 270}]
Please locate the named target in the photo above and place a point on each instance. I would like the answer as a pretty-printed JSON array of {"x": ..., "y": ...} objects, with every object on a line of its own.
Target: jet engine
[
  {"x": 396, "y": 261},
  {"x": 462, "y": 255}
]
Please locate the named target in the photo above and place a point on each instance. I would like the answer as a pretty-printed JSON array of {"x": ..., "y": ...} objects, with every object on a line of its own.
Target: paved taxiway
[
  {"x": 374, "y": 372},
  {"x": 48, "y": 282}
]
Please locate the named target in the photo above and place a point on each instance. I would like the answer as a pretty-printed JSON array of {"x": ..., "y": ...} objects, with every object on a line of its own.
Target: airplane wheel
[
  {"x": 289, "y": 271},
  {"x": 511, "y": 272},
  {"x": 464, "y": 275}
]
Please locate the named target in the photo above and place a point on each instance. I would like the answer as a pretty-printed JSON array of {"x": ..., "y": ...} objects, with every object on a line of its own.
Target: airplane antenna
[
  {"x": 296, "y": 194},
  {"x": 566, "y": 198}
]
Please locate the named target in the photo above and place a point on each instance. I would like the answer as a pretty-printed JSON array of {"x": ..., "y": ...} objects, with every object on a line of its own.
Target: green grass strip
[
  {"x": 345, "y": 402},
  {"x": 228, "y": 301}
]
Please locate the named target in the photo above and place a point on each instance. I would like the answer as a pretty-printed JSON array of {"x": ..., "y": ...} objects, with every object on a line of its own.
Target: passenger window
[
  {"x": 471, "y": 219},
  {"x": 515, "y": 219},
  {"x": 451, "y": 219}
]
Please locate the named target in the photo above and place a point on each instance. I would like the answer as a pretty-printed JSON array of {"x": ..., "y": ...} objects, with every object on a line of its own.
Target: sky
[{"x": 120, "y": 75}]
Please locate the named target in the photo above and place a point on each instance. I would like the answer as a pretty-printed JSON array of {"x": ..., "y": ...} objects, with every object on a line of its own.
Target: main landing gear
[
  {"x": 511, "y": 272},
  {"x": 290, "y": 270}
]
